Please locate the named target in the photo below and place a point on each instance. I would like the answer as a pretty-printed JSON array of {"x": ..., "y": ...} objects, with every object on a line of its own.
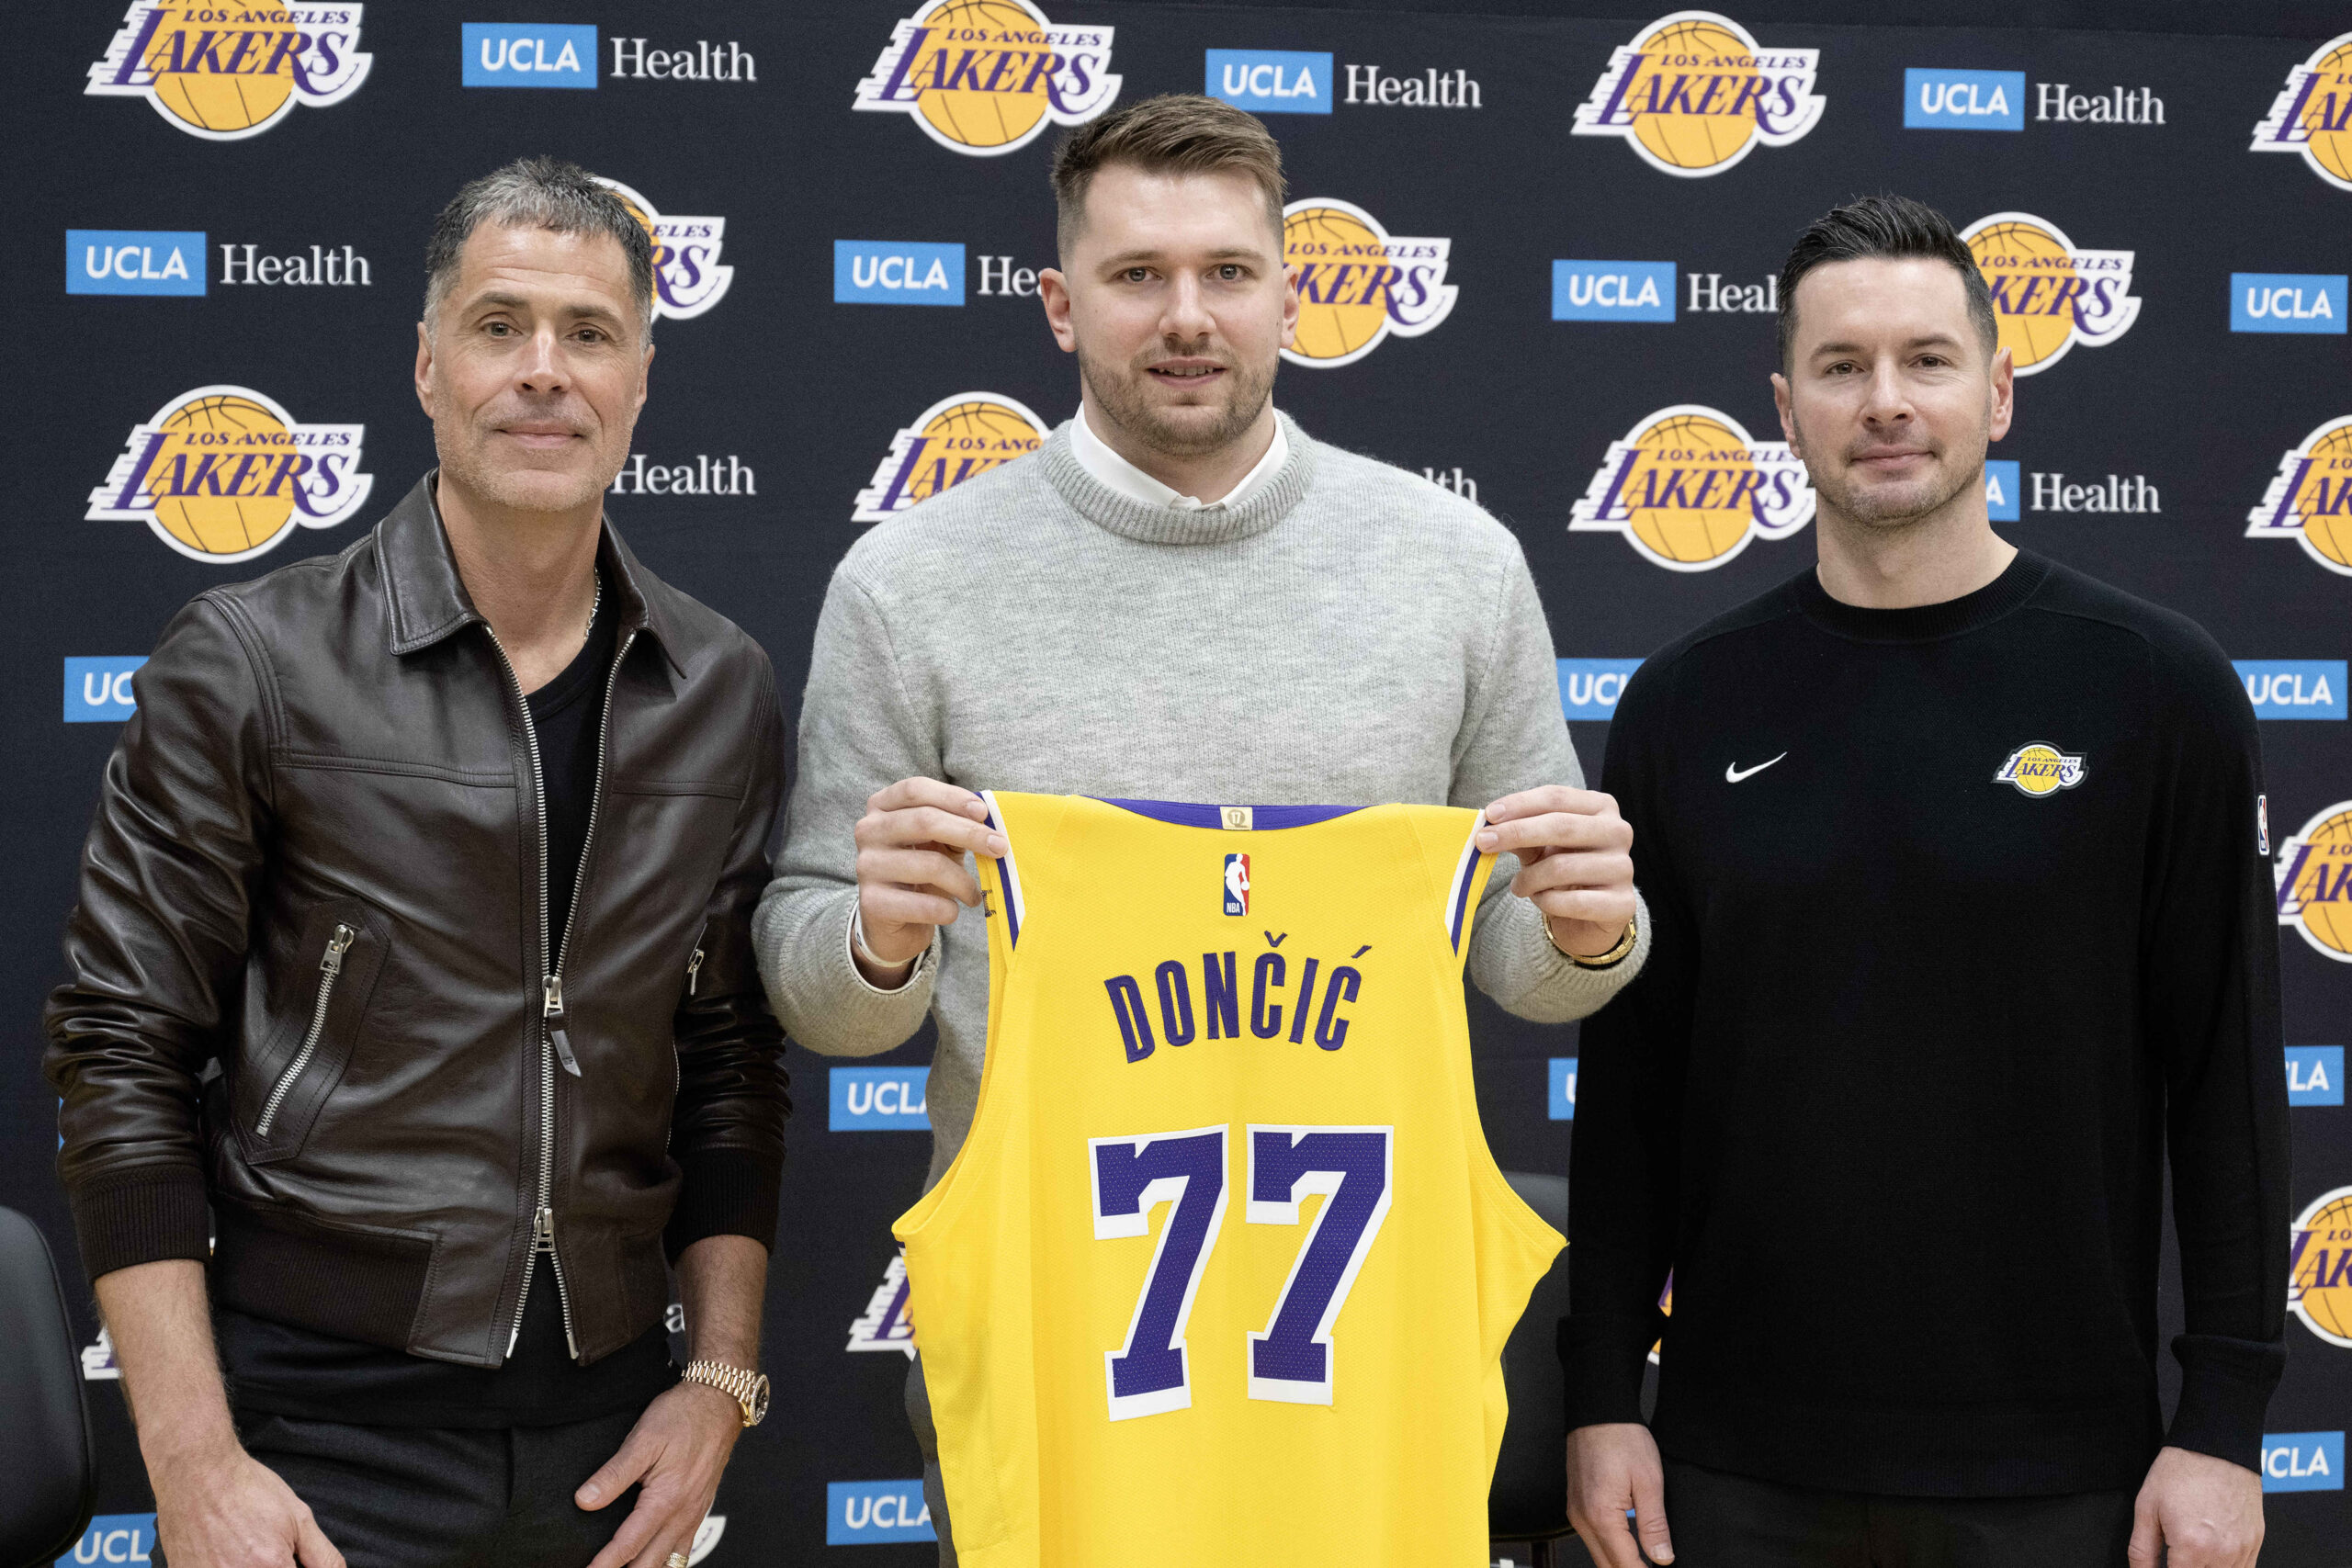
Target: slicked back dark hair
[
  {"x": 1894, "y": 227},
  {"x": 1176, "y": 133},
  {"x": 538, "y": 193}
]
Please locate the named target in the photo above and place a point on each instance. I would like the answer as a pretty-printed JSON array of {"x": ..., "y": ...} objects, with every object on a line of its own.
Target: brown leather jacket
[{"x": 312, "y": 983}]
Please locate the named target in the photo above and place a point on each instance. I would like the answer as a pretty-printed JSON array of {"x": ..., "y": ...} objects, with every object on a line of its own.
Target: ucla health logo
[
  {"x": 2286, "y": 302},
  {"x": 955, "y": 439},
  {"x": 884, "y": 1325},
  {"x": 2314, "y": 882},
  {"x": 1689, "y": 488},
  {"x": 2319, "y": 1271},
  {"x": 1563, "y": 1088},
  {"x": 1694, "y": 94},
  {"x": 687, "y": 277},
  {"x": 228, "y": 71},
  {"x": 2302, "y": 1461},
  {"x": 2314, "y": 1074},
  {"x": 864, "y": 1513},
  {"x": 223, "y": 474},
  {"x": 134, "y": 261},
  {"x": 514, "y": 54},
  {"x": 1964, "y": 100},
  {"x": 2310, "y": 498},
  {"x": 98, "y": 690},
  {"x": 868, "y": 1100},
  {"x": 2049, "y": 293},
  {"x": 2293, "y": 688},
  {"x": 896, "y": 272},
  {"x": 2313, "y": 114},
  {"x": 1270, "y": 81},
  {"x": 1589, "y": 687},
  {"x": 115, "y": 1538},
  {"x": 986, "y": 76},
  {"x": 1612, "y": 292},
  {"x": 1357, "y": 282}
]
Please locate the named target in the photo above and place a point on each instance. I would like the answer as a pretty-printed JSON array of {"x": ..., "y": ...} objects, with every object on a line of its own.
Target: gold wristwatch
[{"x": 747, "y": 1388}]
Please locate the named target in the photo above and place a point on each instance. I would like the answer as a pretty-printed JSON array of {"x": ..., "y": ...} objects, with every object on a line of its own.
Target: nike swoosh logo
[{"x": 1734, "y": 772}]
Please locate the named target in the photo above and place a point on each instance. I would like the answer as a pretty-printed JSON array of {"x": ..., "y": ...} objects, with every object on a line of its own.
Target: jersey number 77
[{"x": 1290, "y": 1359}]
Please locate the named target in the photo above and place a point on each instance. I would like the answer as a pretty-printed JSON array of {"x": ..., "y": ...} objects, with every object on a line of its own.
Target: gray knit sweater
[{"x": 1350, "y": 635}]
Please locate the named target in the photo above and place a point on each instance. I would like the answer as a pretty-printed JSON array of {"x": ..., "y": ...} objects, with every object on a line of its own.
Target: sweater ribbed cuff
[
  {"x": 144, "y": 1214},
  {"x": 726, "y": 1192},
  {"x": 1603, "y": 1360},
  {"x": 2225, "y": 1386}
]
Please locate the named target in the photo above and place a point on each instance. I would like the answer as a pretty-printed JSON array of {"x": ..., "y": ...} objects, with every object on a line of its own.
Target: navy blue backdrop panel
[{"x": 1538, "y": 258}]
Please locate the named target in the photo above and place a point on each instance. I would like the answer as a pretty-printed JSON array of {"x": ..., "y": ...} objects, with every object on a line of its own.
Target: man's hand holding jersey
[
  {"x": 911, "y": 874},
  {"x": 1575, "y": 862}
]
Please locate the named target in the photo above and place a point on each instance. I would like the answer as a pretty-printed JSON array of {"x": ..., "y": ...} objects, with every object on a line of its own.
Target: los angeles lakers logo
[
  {"x": 2038, "y": 768},
  {"x": 986, "y": 76},
  {"x": 2049, "y": 293},
  {"x": 955, "y": 439},
  {"x": 2319, "y": 1274},
  {"x": 687, "y": 277},
  {"x": 2310, "y": 498},
  {"x": 2314, "y": 878},
  {"x": 225, "y": 474},
  {"x": 1689, "y": 488},
  {"x": 228, "y": 71},
  {"x": 2313, "y": 114},
  {"x": 1694, "y": 94},
  {"x": 1357, "y": 282}
]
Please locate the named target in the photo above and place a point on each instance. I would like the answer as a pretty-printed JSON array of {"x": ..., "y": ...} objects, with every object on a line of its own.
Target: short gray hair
[{"x": 538, "y": 193}]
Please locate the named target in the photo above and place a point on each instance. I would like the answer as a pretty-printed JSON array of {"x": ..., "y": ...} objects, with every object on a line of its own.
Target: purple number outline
[
  {"x": 1279, "y": 1207},
  {"x": 1169, "y": 1179}
]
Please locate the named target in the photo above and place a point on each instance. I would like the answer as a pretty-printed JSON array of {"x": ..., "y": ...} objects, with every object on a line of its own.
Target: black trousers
[
  {"x": 445, "y": 1497},
  {"x": 1719, "y": 1521}
]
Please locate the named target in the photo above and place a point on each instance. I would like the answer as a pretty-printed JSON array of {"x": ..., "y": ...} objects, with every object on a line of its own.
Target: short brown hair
[
  {"x": 1176, "y": 133},
  {"x": 1894, "y": 227}
]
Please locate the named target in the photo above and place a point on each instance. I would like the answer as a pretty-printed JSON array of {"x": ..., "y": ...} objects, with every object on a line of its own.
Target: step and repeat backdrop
[{"x": 1538, "y": 261}]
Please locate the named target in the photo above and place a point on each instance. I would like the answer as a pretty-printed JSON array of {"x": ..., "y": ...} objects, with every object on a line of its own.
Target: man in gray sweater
[{"x": 1181, "y": 595}]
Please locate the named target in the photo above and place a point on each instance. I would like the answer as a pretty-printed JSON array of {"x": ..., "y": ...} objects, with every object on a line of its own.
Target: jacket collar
[{"x": 429, "y": 601}]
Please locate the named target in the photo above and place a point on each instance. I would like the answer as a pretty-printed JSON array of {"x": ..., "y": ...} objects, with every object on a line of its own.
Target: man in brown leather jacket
[{"x": 413, "y": 1017}]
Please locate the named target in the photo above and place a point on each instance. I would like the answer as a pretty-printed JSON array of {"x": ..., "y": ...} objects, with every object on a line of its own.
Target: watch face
[{"x": 758, "y": 1402}]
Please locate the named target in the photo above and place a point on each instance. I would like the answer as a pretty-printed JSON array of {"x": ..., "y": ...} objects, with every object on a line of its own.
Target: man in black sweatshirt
[{"x": 1963, "y": 930}]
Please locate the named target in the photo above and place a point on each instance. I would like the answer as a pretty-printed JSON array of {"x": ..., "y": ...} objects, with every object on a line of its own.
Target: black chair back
[
  {"x": 1529, "y": 1499},
  {"x": 47, "y": 1452}
]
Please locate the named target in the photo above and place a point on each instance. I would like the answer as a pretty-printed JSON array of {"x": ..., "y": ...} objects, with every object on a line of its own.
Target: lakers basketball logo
[
  {"x": 2314, "y": 878},
  {"x": 1357, "y": 282},
  {"x": 225, "y": 72},
  {"x": 986, "y": 76},
  {"x": 1689, "y": 489},
  {"x": 1694, "y": 94},
  {"x": 2049, "y": 293},
  {"x": 955, "y": 439},
  {"x": 225, "y": 474},
  {"x": 2319, "y": 1274},
  {"x": 2037, "y": 769},
  {"x": 2313, "y": 114},
  {"x": 2310, "y": 498},
  {"x": 687, "y": 277}
]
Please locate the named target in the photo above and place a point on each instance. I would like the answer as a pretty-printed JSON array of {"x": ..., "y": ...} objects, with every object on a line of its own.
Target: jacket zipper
[
  {"x": 330, "y": 971},
  {"x": 552, "y": 1036}
]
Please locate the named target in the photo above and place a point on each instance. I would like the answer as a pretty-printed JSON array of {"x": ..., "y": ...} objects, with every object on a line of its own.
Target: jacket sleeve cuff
[
  {"x": 1602, "y": 1360},
  {"x": 2225, "y": 1388},
  {"x": 141, "y": 1215},
  {"x": 726, "y": 1192}
]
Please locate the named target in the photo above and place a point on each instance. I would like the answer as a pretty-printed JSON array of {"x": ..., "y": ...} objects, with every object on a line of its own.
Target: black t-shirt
[
  {"x": 1963, "y": 928},
  {"x": 285, "y": 1371}
]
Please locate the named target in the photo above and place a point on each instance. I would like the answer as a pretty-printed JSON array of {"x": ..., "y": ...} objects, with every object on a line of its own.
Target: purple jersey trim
[{"x": 1263, "y": 818}]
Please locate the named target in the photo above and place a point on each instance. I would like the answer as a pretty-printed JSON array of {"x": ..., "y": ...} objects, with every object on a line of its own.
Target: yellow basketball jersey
[{"x": 1223, "y": 1273}]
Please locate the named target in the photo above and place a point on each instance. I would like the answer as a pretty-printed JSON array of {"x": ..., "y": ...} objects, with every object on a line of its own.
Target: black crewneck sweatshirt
[{"x": 1964, "y": 929}]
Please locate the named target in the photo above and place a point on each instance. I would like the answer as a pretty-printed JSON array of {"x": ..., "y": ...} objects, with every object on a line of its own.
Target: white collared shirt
[{"x": 1115, "y": 472}]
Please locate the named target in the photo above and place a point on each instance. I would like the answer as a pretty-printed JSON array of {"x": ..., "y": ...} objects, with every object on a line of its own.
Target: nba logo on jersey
[{"x": 1236, "y": 884}]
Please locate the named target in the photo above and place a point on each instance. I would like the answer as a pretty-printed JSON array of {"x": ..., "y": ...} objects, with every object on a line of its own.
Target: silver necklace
[{"x": 594, "y": 606}]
